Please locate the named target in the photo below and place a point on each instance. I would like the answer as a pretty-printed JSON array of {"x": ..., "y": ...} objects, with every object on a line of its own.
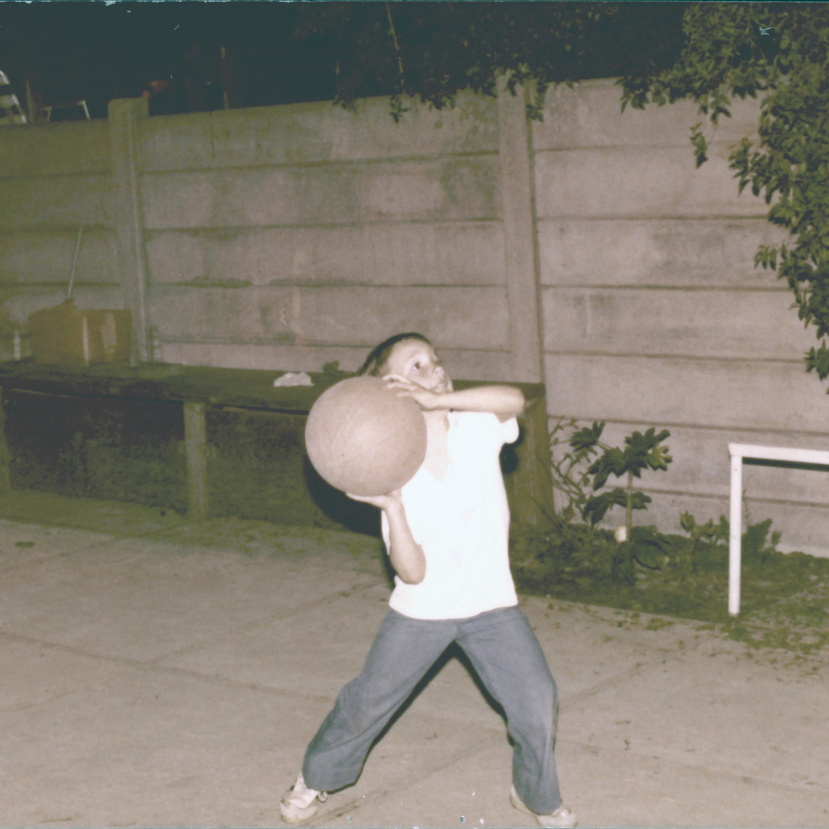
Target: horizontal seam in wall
[
  {"x": 591, "y": 148},
  {"x": 705, "y": 358},
  {"x": 328, "y": 162},
  {"x": 43, "y": 287},
  {"x": 757, "y": 499},
  {"x": 203, "y": 230},
  {"x": 55, "y": 229},
  {"x": 299, "y": 283},
  {"x": 746, "y": 289},
  {"x": 403, "y": 221},
  {"x": 709, "y": 217},
  {"x": 647, "y": 217},
  {"x": 104, "y": 171}
]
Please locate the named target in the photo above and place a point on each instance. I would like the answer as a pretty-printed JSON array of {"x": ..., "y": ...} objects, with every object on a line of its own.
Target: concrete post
[
  {"x": 521, "y": 249},
  {"x": 124, "y": 115}
]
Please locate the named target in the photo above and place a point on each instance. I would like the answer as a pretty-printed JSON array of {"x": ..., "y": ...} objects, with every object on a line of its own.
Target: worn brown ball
[{"x": 363, "y": 439}]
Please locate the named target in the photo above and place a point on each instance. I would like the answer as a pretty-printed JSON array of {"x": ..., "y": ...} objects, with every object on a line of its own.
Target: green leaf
[
  {"x": 648, "y": 556},
  {"x": 639, "y": 500},
  {"x": 612, "y": 462},
  {"x": 622, "y": 563},
  {"x": 700, "y": 144},
  {"x": 596, "y": 507},
  {"x": 817, "y": 360},
  {"x": 687, "y": 522},
  {"x": 586, "y": 438}
]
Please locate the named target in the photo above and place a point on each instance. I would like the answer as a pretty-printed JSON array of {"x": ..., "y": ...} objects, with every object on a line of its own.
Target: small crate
[{"x": 67, "y": 336}]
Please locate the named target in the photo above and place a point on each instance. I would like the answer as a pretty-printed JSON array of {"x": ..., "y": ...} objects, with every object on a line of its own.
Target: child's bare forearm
[
  {"x": 504, "y": 401},
  {"x": 405, "y": 554}
]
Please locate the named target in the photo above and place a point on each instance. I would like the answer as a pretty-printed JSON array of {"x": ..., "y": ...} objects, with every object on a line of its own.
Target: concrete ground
[{"x": 155, "y": 672}]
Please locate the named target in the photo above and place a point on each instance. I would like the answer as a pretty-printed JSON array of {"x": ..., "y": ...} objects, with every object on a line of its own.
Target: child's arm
[
  {"x": 405, "y": 554},
  {"x": 504, "y": 401}
]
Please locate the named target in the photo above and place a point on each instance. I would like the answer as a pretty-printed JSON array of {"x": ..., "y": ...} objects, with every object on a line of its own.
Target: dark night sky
[{"x": 91, "y": 49}]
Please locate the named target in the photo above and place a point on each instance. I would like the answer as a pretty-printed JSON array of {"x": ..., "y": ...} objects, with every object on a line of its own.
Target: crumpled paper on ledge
[{"x": 293, "y": 378}]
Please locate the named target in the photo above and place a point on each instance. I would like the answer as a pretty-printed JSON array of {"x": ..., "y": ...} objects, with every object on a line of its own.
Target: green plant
[
  {"x": 641, "y": 452},
  {"x": 754, "y": 544},
  {"x": 783, "y": 597},
  {"x": 568, "y": 467},
  {"x": 582, "y": 464},
  {"x": 577, "y": 469},
  {"x": 685, "y": 561},
  {"x": 645, "y": 546}
]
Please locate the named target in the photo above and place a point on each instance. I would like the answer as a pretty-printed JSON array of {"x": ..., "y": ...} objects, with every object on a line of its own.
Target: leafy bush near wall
[
  {"x": 581, "y": 467},
  {"x": 639, "y": 568}
]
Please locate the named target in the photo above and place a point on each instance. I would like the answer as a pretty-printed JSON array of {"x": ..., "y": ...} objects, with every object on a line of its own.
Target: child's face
[{"x": 418, "y": 362}]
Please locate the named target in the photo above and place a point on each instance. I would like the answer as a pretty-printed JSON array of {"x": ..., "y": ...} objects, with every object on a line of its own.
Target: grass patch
[{"x": 784, "y": 597}]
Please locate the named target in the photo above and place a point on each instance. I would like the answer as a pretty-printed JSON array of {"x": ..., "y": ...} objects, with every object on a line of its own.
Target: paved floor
[{"x": 159, "y": 673}]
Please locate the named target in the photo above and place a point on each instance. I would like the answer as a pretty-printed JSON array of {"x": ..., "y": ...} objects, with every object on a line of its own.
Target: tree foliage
[
  {"x": 777, "y": 52},
  {"x": 433, "y": 50}
]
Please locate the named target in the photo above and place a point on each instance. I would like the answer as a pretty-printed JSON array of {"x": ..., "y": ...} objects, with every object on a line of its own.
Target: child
[{"x": 447, "y": 533}]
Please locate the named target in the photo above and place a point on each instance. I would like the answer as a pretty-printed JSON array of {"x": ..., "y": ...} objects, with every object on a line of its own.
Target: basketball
[{"x": 363, "y": 439}]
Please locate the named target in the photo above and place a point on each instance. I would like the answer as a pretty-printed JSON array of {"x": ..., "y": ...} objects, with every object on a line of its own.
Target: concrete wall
[
  {"x": 53, "y": 182},
  {"x": 586, "y": 251},
  {"x": 654, "y": 314},
  {"x": 290, "y": 236}
]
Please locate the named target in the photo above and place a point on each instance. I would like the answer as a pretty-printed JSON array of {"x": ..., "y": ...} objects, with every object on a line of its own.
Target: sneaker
[
  {"x": 300, "y": 803},
  {"x": 562, "y": 818}
]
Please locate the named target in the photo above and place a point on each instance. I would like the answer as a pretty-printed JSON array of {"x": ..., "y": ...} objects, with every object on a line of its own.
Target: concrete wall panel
[
  {"x": 55, "y": 201},
  {"x": 457, "y": 253},
  {"x": 465, "y": 364},
  {"x": 33, "y": 258},
  {"x": 591, "y": 116},
  {"x": 636, "y": 182},
  {"x": 458, "y": 318},
  {"x": 731, "y": 394},
  {"x": 671, "y": 253},
  {"x": 318, "y": 132},
  {"x": 71, "y": 148},
  {"x": 457, "y": 188},
  {"x": 685, "y": 323}
]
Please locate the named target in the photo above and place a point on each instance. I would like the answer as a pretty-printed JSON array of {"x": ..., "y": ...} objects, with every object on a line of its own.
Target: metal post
[{"x": 735, "y": 534}]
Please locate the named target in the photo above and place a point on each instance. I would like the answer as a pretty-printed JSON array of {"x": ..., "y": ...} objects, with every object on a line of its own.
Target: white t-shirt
[{"x": 462, "y": 524}]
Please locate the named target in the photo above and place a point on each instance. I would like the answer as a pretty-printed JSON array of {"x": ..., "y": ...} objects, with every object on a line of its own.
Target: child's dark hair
[{"x": 379, "y": 355}]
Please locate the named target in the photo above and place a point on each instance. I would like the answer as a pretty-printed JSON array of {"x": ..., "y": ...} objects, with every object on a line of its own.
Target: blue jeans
[{"x": 507, "y": 657}]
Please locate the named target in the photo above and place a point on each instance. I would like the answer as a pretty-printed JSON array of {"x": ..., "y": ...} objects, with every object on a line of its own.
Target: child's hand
[
  {"x": 384, "y": 502},
  {"x": 425, "y": 398}
]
